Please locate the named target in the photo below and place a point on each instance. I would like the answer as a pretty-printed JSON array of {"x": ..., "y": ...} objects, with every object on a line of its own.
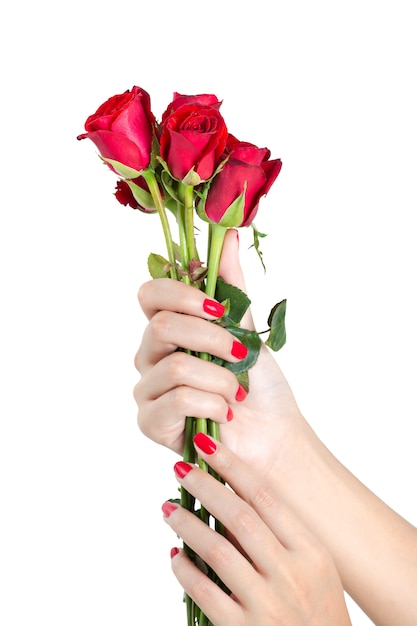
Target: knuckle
[
  {"x": 245, "y": 521},
  {"x": 222, "y": 553},
  {"x": 143, "y": 423},
  {"x": 143, "y": 292},
  {"x": 137, "y": 393},
  {"x": 263, "y": 497},
  {"x": 177, "y": 367},
  {"x": 160, "y": 325},
  {"x": 180, "y": 399},
  {"x": 200, "y": 590},
  {"x": 138, "y": 361},
  {"x": 322, "y": 560}
]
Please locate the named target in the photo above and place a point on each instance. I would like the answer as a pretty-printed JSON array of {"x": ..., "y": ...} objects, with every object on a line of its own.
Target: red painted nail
[
  {"x": 167, "y": 508},
  {"x": 213, "y": 308},
  {"x": 181, "y": 468},
  {"x": 229, "y": 414},
  {"x": 174, "y": 552},
  {"x": 240, "y": 394},
  {"x": 205, "y": 444},
  {"x": 239, "y": 350}
]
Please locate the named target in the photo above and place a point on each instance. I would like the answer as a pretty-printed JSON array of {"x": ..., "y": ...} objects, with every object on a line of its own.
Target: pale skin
[
  {"x": 373, "y": 548},
  {"x": 279, "y": 575}
]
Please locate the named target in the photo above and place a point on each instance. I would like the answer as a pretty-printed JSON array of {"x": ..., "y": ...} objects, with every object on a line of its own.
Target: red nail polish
[
  {"x": 240, "y": 394},
  {"x": 205, "y": 444},
  {"x": 213, "y": 308},
  {"x": 174, "y": 552},
  {"x": 229, "y": 414},
  {"x": 239, "y": 350},
  {"x": 167, "y": 508},
  {"x": 181, "y": 468}
]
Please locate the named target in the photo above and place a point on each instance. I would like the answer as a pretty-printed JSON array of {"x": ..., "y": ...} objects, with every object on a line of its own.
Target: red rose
[
  {"x": 193, "y": 135},
  {"x": 207, "y": 99},
  {"x": 124, "y": 194},
  {"x": 248, "y": 170},
  {"x": 122, "y": 129}
]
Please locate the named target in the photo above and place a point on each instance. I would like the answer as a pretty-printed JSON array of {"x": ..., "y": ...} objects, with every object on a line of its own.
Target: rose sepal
[
  {"x": 191, "y": 179},
  {"x": 123, "y": 170},
  {"x": 170, "y": 185},
  {"x": 233, "y": 216}
]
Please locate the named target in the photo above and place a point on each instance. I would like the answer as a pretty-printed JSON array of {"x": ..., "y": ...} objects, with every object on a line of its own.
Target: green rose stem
[
  {"x": 152, "y": 183},
  {"x": 217, "y": 233},
  {"x": 185, "y": 224},
  {"x": 189, "y": 221},
  {"x": 188, "y": 252},
  {"x": 216, "y": 240},
  {"x": 189, "y": 452}
]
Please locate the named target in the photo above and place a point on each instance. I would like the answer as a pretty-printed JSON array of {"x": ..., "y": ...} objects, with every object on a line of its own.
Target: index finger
[
  {"x": 166, "y": 294},
  {"x": 254, "y": 489}
]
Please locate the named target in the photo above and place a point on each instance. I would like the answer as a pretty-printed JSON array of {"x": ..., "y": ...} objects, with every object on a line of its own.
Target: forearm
[{"x": 374, "y": 548}]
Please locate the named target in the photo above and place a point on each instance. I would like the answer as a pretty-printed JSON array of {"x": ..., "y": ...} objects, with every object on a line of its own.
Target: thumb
[{"x": 230, "y": 269}]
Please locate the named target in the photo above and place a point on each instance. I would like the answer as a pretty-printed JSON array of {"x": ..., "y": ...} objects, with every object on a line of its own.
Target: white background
[{"x": 329, "y": 87}]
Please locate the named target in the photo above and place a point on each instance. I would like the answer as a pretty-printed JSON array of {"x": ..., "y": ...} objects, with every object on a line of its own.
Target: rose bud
[
  {"x": 135, "y": 193},
  {"x": 233, "y": 196},
  {"x": 193, "y": 137},
  {"x": 122, "y": 128}
]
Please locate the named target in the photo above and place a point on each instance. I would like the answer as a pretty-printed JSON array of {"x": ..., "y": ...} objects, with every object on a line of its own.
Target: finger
[
  {"x": 254, "y": 490},
  {"x": 219, "y": 607},
  {"x": 162, "y": 419},
  {"x": 182, "y": 369},
  {"x": 231, "y": 271},
  {"x": 233, "y": 569},
  {"x": 168, "y": 330},
  {"x": 255, "y": 538},
  {"x": 165, "y": 294}
]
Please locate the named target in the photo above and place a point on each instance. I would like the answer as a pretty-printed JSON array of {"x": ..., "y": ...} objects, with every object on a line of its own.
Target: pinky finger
[{"x": 219, "y": 607}]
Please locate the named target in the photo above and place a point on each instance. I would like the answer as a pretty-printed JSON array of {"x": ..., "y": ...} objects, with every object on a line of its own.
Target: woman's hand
[
  {"x": 277, "y": 572},
  {"x": 175, "y": 384},
  {"x": 374, "y": 549}
]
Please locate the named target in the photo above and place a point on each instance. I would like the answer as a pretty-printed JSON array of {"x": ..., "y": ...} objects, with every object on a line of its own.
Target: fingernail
[
  {"x": 174, "y": 552},
  {"x": 168, "y": 508},
  {"x": 240, "y": 394},
  {"x": 229, "y": 414},
  {"x": 213, "y": 308},
  {"x": 239, "y": 350},
  {"x": 205, "y": 444},
  {"x": 181, "y": 468}
]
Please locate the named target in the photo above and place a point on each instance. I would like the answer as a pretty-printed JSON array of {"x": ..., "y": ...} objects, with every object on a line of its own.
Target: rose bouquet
[{"x": 189, "y": 166}]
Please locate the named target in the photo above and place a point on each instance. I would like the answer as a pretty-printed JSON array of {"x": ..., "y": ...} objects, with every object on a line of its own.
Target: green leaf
[
  {"x": 243, "y": 378},
  {"x": 276, "y": 321},
  {"x": 121, "y": 169},
  {"x": 157, "y": 266},
  {"x": 256, "y": 236},
  {"x": 239, "y": 301},
  {"x": 252, "y": 341}
]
